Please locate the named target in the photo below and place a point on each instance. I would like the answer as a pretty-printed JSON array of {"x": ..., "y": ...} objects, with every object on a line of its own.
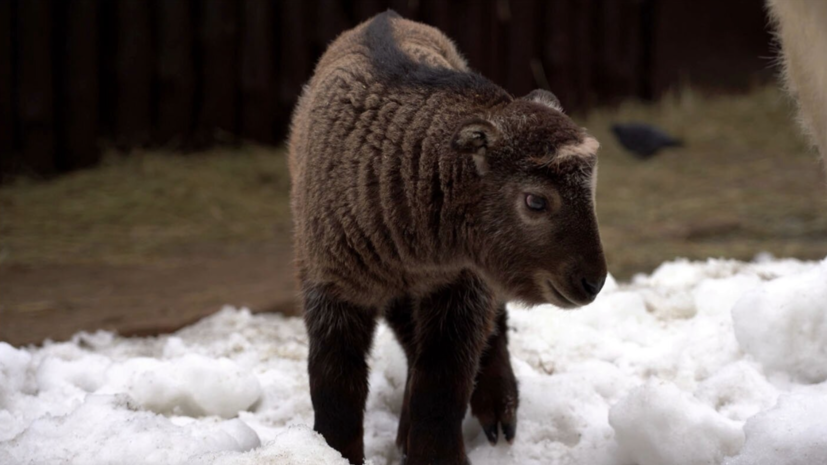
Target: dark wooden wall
[{"x": 79, "y": 74}]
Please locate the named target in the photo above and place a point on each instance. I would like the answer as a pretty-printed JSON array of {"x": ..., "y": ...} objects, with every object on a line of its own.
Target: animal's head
[{"x": 535, "y": 233}]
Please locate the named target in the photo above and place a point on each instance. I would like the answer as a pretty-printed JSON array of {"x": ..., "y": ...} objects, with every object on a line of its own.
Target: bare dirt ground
[
  {"x": 55, "y": 301},
  {"x": 152, "y": 241}
]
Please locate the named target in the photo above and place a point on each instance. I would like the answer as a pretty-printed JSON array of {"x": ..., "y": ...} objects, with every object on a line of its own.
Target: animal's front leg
[
  {"x": 340, "y": 337},
  {"x": 495, "y": 397},
  {"x": 452, "y": 325}
]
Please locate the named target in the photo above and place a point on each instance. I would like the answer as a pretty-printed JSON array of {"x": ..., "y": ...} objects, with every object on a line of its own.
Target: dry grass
[
  {"x": 744, "y": 183},
  {"x": 147, "y": 206}
]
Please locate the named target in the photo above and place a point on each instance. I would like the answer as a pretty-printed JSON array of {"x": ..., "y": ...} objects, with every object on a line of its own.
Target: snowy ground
[{"x": 699, "y": 363}]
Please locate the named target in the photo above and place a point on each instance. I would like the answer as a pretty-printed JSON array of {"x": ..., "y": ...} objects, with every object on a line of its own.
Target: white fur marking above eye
[{"x": 587, "y": 148}]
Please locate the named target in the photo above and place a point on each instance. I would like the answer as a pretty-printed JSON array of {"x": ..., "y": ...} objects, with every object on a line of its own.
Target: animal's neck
[{"x": 440, "y": 185}]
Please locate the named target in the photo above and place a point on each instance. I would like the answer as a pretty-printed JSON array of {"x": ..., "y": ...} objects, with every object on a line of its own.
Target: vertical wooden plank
[
  {"x": 107, "y": 31},
  {"x": 475, "y": 34},
  {"x": 295, "y": 63},
  {"x": 364, "y": 9},
  {"x": 175, "y": 71},
  {"x": 332, "y": 20},
  {"x": 36, "y": 101},
  {"x": 409, "y": 9},
  {"x": 522, "y": 47},
  {"x": 584, "y": 23},
  {"x": 219, "y": 52},
  {"x": 133, "y": 69},
  {"x": 79, "y": 86},
  {"x": 558, "y": 52},
  {"x": 618, "y": 61},
  {"x": 568, "y": 52},
  {"x": 467, "y": 31},
  {"x": 256, "y": 72},
  {"x": 437, "y": 13},
  {"x": 7, "y": 104},
  {"x": 497, "y": 19},
  {"x": 697, "y": 42},
  {"x": 647, "y": 48}
]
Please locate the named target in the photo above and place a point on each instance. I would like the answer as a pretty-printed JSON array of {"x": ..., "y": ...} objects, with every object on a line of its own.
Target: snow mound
[
  {"x": 716, "y": 362},
  {"x": 783, "y": 325},
  {"x": 298, "y": 445},
  {"x": 192, "y": 385},
  {"x": 794, "y": 432},
  {"x": 110, "y": 429},
  {"x": 658, "y": 424}
]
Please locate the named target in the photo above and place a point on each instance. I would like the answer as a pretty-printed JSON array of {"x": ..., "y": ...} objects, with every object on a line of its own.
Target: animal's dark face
[{"x": 536, "y": 233}]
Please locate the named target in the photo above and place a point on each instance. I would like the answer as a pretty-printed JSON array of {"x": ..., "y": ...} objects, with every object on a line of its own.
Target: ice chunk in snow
[
  {"x": 783, "y": 324},
  {"x": 14, "y": 374},
  {"x": 794, "y": 432},
  {"x": 192, "y": 385},
  {"x": 737, "y": 391},
  {"x": 109, "y": 429},
  {"x": 297, "y": 445},
  {"x": 86, "y": 374},
  {"x": 658, "y": 424}
]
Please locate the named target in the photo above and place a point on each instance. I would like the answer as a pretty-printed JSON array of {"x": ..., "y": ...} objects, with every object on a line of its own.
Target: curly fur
[{"x": 411, "y": 178}]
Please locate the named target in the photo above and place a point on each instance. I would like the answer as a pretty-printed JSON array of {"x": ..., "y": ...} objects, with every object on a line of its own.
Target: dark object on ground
[
  {"x": 642, "y": 139},
  {"x": 425, "y": 192}
]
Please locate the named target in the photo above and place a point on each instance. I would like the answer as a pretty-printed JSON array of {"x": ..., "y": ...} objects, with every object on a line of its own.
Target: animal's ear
[
  {"x": 544, "y": 97},
  {"x": 475, "y": 138}
]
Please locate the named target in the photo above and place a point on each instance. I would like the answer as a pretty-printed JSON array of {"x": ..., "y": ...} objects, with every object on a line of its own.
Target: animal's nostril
[{"x": 593, "y": 287}]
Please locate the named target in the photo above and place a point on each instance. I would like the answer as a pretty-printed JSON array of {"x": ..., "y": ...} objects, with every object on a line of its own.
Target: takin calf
[{"x": 424, "y": 192}]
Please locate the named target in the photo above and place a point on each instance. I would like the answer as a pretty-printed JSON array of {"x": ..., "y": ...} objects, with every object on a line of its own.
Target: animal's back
[
  {"x": 366, "y": 179},
  {"x": 348, "y": 69}
]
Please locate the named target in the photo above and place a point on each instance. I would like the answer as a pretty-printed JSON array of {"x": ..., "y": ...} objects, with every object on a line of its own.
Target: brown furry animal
[{"x": 425, "y": 192}]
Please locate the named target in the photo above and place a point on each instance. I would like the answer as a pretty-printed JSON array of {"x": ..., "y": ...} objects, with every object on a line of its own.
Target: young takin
[{"x": 423, "y": 192}]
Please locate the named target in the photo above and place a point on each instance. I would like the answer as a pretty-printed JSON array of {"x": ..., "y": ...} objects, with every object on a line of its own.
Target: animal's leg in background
[
  {"x": 340, "y": 336},
  {"x": 399, "y": 316},
  {"x": 495, "y": 397},
  {"x": 452, "y": 325}
]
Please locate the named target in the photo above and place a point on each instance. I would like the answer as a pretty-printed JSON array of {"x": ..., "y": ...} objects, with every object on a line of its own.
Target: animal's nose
[{"x": 593, "y": 287}]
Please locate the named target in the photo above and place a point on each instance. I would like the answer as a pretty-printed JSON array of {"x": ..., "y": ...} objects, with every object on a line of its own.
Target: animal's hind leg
[
  {"x": 340, "y": 336},
  {"x": 495, "y": 397},
  {"x": 399, "y": 315}
]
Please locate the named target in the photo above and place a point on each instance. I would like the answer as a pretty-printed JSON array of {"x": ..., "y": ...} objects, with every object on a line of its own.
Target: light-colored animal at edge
[{"x": 801, "y": 27}]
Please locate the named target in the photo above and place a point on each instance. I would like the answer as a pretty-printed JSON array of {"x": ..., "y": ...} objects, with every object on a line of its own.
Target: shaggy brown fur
[{"x": 425, "y": 192}]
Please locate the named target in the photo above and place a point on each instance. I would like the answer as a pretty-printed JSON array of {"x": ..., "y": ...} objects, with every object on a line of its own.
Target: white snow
[
  {"x": 783, "y": 325},
  {"x": 660, "y": 424},
  {"x": 717, "y": 362}
]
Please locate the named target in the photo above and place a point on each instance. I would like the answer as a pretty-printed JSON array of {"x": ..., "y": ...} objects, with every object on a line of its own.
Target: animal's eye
[{"x": 535, "y": 202}]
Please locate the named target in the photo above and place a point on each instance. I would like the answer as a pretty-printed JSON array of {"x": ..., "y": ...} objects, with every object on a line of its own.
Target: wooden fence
[{"x": 78, "y": 74}]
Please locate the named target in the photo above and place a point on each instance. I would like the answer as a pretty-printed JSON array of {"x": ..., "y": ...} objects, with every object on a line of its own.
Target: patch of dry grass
[
  {"x": 147, "y": 206},
  {"x": 745, "y": 182}
]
